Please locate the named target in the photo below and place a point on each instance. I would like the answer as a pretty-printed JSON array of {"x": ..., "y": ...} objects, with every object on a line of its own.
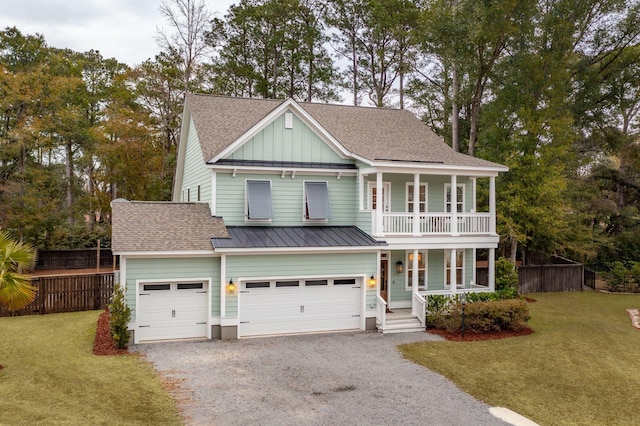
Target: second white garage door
[
  {"x": 171, "y": 310},
  {"x": 299, "y": 306}
]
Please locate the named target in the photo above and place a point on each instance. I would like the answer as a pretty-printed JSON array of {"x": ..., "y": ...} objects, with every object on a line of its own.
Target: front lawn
[
  {"x": 580, "y": 366},
  {"x": 50, "y": 376}
]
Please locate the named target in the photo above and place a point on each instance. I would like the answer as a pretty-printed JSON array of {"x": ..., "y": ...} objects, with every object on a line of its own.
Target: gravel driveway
[{"x": 354, "y": 378}]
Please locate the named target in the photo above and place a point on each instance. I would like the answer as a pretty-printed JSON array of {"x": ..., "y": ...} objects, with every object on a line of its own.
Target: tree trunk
[
  {"x": 455, "y": 131},
  {"x": 70, "y": 179}
]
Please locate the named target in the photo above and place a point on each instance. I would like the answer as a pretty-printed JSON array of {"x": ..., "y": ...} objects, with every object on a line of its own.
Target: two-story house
[{"x": 293, "y": 217}]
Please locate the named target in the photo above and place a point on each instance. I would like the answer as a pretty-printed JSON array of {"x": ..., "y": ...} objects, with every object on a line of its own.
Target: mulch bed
[
  {"x": 474, "y": 337},
  {"x": 103, "y": 343}
]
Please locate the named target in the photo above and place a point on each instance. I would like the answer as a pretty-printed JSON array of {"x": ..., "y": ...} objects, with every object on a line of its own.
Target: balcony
[{"x": 399, "y": 224}]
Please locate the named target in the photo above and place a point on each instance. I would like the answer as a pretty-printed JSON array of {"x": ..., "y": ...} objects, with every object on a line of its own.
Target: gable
[{"x": 276, "y": 142}]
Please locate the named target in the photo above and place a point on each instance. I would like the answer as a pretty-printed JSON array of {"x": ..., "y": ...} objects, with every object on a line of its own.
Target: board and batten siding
[
  {"x": 297, "y": 265},
  {"x": 163, "y": 269},
  {"x": 287, "y": 198},
  {"x": 195, "y": 171},
  {"x": 276, "y": 143}
]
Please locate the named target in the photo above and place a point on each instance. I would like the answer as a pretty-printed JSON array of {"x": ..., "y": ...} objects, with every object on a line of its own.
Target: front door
[
  {"x": 374, "y": 198},
  {"x": 384, "y": 278}
]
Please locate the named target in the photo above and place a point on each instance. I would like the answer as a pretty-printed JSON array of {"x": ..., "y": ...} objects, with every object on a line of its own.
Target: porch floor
[{"x": 399, "y": 314}]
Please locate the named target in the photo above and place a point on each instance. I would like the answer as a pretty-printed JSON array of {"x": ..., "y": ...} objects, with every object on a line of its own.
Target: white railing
[
  {"x": 435, "y": 223},
  {"x": 381, "y": 317},
  {"x": 421, "y": 308},
  {"x": 474, "y": 223}
]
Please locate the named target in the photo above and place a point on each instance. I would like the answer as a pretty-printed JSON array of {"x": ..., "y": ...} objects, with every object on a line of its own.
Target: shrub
[
  {"x": 120, "y": 316},
  {"x": 506, "y": 279},
  {"x": 487, "y": 317},
  {"x": 438, "y": 308},
  {"x": 624, "y": 277}
]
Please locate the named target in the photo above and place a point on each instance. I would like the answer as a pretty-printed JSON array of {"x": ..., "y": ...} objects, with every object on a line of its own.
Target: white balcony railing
[{"x": 435, "y": 223}]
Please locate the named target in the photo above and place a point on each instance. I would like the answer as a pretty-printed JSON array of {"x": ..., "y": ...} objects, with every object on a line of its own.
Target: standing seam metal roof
[{"x": 295, "y": 236}]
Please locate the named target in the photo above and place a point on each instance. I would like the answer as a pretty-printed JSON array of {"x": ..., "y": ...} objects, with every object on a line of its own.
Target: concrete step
[{"x": 402, "y": 325}]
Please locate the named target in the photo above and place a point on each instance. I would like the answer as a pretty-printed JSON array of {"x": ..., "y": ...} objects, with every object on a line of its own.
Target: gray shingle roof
[
  {"x": 163, "y": 226},
  {"x": 376, "y": 134},
  {"x": 295, "y": 236}
]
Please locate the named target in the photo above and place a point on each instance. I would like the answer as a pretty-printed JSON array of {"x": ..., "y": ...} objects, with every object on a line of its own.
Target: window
[
  {"x": 259, "y": 284},
  {"x": 287, "y": 283},
  {"x": 423, "y": 198},
  {"x": 459, "y": 268},
  {"x": 459, "y": 198},
  {"x": 259, "y": 200},
  {"x": 346, "y": 281},
  {"x": 198, "y": 193},
  {"x": 316, "y": 201},
  {"x": 315, "y": 282},
  {"x": 190, "y": 286},
  {"x": 188, "y": 195},
  {"x": 156, "y": 287},
  {"x": 422, "y": 269}
]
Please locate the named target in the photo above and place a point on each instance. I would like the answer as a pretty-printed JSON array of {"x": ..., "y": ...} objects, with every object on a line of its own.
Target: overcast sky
[{"x": 121, "y": 29}]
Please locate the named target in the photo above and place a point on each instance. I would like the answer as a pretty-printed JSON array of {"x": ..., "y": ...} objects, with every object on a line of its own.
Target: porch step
[{"x": 404, "y": 324}]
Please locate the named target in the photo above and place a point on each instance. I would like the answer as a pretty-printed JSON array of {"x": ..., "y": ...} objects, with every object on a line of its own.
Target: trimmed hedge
[{"x": 483, "y": 317}]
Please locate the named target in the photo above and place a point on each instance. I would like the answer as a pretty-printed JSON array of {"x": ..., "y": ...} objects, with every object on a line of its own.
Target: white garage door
[
  {"x": 299, "y": 306},
  {"x": 171, "y": 311}
]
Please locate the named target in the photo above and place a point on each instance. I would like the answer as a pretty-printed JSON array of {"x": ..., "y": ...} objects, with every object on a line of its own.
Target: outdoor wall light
[
  {"x": 231, "y": 287},
  {"x": 399, "y": 267},
  {"x": 372, "y": 282}
]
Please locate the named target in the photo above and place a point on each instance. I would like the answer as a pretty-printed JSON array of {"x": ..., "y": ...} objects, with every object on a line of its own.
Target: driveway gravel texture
[{"x": 353, "y": 378}]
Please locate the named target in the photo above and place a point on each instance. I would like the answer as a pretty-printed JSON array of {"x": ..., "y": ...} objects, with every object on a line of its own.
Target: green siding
[
  {"x": 436, "y": 269},
  {"x": 195, "y": 171},
  {"x": 275, "y": 143},
  {"x": 173, "y": 268},
  {"x": 287, "y": 199}
]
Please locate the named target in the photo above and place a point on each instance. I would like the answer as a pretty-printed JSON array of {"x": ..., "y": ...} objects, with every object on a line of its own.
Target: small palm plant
[{"x": 15, "y": 257}]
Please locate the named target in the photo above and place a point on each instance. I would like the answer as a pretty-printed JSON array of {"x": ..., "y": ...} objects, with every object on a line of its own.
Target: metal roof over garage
[{"x": 295, "y": 236}]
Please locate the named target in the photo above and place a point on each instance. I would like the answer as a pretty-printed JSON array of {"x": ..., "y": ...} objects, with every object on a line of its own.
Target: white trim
[
  {"x": 186, "y": 253},
  {"x": 409, "y": 167},
  {"x": 447, "y": 255},
  {"x": 425, "y": 284},
  {"x": 305, "y": 219},
  {"x": 213, "y": 204},
  {"x": 458, "y": 185},
  {"x": 223, "y": 285},
  {"x": 386, "y": 197},
  {"x": 306, "y": 250},
  {"x": 123, "y": 273},
  {"x": 280, "y": 170},
  {"x": 403, "y": 242},
  {"x": 426, "y": 196},
  {"x": 247, "y": 219},
  {"x": 182, "y": 152}
]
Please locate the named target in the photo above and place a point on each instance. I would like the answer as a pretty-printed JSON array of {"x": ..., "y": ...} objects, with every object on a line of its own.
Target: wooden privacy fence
[
  {"x": 74, "y": 259},
  {"x": 69, "y": 293},
  {"x": 550, "y": 278}
]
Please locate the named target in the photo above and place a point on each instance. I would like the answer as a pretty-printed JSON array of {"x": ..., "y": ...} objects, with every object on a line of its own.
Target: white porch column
[
  {"x": 454, "y": 205},
  {"x": 474, "y": 195},
  {"x": 452, "y": 271},
  {"x": 492, "y": 269},
  {"x": 415, "y": 282},
  {"x": 416, "y": 204},
  {"x": 379, "y": 204},
  {"x": 492, "y": 204}
]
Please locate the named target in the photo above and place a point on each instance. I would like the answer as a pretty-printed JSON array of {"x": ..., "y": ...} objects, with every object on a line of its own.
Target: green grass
[
  {"x": 50, "y": 376},
  {"x": 580, "y": 366}
]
